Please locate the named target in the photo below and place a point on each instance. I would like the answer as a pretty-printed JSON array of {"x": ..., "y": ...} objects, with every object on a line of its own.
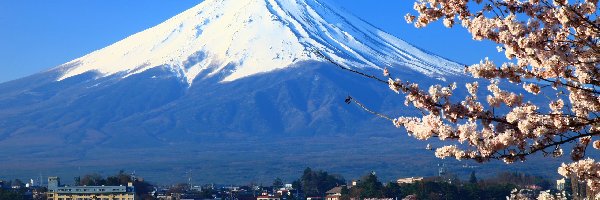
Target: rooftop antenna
[
  {"x": 133, "y": 178},
  {"x": 189, "y": 176},
  {"x": 442, "y": 169}
]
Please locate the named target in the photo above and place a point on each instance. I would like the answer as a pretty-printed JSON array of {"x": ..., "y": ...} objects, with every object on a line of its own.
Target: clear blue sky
[{"x": 38, "y": 35}]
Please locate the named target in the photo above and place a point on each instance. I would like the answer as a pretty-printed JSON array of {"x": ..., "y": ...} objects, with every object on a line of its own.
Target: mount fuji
[
  {"x": 224, "y": 79},
  {"x": 237, "y": 39}
]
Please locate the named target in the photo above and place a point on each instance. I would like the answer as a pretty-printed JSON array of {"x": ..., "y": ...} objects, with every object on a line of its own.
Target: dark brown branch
[
  {"x": 349, "y": 99},
  {"x": 583, "y": 18},
  {"x": 534, "y": 150}
]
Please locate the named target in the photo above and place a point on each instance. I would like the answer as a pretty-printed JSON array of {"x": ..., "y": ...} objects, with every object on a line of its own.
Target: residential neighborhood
[{"x": 311, "y": 185}]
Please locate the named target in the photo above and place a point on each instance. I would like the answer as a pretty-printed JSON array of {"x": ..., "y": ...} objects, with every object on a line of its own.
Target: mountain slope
[{"x": 221, "y": 71}]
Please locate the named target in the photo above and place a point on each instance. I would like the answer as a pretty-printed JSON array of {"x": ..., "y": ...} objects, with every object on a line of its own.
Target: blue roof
[{"x": 91, "y": 189}]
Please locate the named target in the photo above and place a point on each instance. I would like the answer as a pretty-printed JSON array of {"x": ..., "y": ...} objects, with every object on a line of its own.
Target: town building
[
  {"x": 58, "y": 192},
  {"x": 267, "y": 197},
  {"x": 335, "y": 193},
  {"x": 409, "y": 180},
  {"x": 560, "y": 184},
  {"x": 284, "y": 192}
]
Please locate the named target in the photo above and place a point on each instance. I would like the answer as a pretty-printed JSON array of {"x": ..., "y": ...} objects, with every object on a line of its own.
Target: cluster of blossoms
[
  {"x": 547, "y": 195},
  {"x": 516, "y": 194},
  {"x": 525, "y": 194},
  {"x": 554, "y": 50},
  {"x": 586, "y": 169}
]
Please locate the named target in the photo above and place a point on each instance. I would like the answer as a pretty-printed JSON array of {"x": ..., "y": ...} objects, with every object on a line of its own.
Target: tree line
[
  {"x": 316, "y": 183},
  {"x": 142, "y": 188}
]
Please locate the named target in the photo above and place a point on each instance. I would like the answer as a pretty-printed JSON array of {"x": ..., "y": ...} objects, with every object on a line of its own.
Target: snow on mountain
[{"x": 240, "y": 38}]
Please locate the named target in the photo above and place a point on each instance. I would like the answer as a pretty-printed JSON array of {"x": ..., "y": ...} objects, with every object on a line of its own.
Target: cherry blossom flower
[
  {"x": 553, "y": 49},
  {"x": 550, "y": 44}
]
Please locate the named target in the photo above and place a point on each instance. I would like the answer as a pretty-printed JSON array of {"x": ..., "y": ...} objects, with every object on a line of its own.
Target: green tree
[
  {"x": 10, "y": 195},
  {"x": 297, "y": 185},
  {"x": 120, "y": 178},
  {"x": 308, "y": 182},
  {"x": 277, "y": 183},
  {"x": 17, "y": 183},
  {"x": 472, "y": 178},
  {"x": 77, "y": 180},
  {"x": 345, "y": 193},
  {"x": 371, "y": 187},
  {"x": 392, "y": 190},
  {"x": 92, "y": 180},
  {"x": 316, "y": 183},
  {"x": 142, "y": 188}
]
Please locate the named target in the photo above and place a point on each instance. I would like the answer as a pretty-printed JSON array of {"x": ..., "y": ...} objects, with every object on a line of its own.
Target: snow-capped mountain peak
[{"x": 237, "y": 39}]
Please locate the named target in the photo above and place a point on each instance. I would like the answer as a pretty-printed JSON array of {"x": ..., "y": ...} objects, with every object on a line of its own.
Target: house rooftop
[
  {"x": 91, "y": 189},
  {"x": 337, "y": 190}
]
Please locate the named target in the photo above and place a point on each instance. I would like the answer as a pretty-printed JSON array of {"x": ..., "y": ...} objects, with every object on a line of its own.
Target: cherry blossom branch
[{"x": 557, "y": 44}]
